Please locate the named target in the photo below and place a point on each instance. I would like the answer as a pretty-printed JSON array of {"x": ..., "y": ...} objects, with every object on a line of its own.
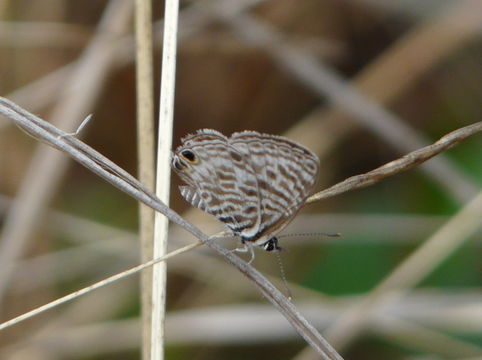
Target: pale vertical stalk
[
  {"x": 166, "y": 112},
  {"x": 145, "y": 154}
]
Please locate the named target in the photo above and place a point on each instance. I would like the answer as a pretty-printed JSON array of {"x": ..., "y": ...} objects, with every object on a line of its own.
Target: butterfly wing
[
  {"x": 286, "y": 174},
  {"x": 219, "y": 181}
]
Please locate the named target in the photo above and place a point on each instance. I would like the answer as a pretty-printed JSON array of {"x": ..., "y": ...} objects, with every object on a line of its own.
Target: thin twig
[
  {"x": 95, "y": 286},
  {"x": 402, "y": 164}
]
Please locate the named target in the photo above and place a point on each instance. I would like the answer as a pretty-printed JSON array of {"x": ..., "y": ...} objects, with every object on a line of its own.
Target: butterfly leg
[
  {"x": 245, "y": 249},
  {"x": 251, "y": 250},
  {"x": 221, "y": 235}
]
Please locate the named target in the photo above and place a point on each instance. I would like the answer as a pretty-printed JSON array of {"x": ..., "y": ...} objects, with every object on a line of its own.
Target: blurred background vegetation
[{"x": 258, "y": 65}]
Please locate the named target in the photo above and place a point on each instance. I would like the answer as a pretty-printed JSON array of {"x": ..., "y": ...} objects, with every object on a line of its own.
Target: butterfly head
[{"x": 272, "y": 245}]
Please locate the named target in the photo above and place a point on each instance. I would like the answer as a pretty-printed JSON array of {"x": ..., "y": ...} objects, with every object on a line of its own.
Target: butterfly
[{"x": 253, "y": 183}]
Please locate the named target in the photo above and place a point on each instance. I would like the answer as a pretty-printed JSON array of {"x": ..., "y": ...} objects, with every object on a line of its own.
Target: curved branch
[{"x": 404, "y": 163}]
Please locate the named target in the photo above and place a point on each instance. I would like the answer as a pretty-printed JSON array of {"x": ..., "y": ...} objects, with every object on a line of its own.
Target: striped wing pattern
[
  {"x": 220, "y": 183},
  {"x": 254, "y": 183},
  {"x": 286, "y": 173}
]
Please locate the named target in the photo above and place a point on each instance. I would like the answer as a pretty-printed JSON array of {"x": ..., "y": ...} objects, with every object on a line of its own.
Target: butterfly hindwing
[{"x": 286, "y": 174}]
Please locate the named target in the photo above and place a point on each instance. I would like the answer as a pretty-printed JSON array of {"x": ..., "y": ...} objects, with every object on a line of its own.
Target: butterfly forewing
[{"x": 220, "y": 182}]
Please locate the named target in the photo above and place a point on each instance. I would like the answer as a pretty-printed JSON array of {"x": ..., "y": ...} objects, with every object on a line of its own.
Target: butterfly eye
[{"x": 189, "y": 156}]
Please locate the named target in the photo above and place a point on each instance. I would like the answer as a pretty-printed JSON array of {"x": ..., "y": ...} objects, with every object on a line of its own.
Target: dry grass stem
[
  {"x": 402, "y": 164},
  {"x": 145, "y": 156},
  {"x": 95, "y": 286},
  {"x": 163, "y": 176}
]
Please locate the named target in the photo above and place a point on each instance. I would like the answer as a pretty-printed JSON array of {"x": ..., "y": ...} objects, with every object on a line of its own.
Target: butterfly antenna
[
  {"x": 282, "y": 272},
  {"x": 310, "y": 234}
]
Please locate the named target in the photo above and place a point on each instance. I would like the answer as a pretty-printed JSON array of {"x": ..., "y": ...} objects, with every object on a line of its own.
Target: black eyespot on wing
[{"x": 189, "y": 155}]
